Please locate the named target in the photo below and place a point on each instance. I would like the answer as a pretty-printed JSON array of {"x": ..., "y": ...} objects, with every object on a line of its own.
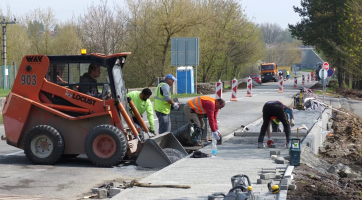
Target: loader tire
[
  {"x": 105, "y": 145},
  {"x": 43, "y": 145}
]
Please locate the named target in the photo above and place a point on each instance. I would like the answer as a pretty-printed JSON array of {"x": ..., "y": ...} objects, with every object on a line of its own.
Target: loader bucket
[{"x": 152, "y": 155}]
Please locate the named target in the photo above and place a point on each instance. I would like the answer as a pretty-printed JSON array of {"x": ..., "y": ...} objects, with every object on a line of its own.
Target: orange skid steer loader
[{"x": 55, "y": 109}]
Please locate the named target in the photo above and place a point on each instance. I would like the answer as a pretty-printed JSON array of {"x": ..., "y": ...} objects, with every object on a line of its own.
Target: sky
[{"x": 260, "y": 11}]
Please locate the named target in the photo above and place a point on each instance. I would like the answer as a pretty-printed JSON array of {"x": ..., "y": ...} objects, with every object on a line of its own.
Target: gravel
[
  {"x": 140, "y": 172},
  {"x": 173, "y": 154}
]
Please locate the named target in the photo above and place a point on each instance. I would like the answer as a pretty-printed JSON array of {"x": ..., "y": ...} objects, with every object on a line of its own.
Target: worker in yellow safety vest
[{"x": 163, "y": 103}]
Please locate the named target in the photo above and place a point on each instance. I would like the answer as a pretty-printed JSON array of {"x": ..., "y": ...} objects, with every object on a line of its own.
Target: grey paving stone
[
  {"x": 102, "y": 193},
  {"x": 292, "y": 187}
]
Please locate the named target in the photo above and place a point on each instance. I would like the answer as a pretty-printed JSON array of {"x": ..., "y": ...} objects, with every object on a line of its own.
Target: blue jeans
[{"x": 164, "y": 122}]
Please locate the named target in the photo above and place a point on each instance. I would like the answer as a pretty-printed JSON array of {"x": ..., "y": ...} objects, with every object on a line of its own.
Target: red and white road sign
[{"x": 325, "y": 66}]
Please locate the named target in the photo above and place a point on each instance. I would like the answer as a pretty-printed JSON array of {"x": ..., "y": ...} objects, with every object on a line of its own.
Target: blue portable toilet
[{"x": 181, "y": 80}]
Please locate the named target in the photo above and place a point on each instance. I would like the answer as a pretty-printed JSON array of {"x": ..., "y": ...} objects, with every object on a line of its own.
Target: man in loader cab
[
  {"x": 196, "y": 108},
  {"x": 275, "y": 111},
  {"x": 142, "y": 103},
  {"x": 163, "y": 103},
  {"x": 90, "y": 77}
]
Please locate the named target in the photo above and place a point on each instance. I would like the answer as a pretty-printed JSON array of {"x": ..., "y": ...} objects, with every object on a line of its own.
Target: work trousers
[
  {"x": 164, "y": 122},
  {"x": 277, "y": 110},
  {"x": 192, "y": 115}
]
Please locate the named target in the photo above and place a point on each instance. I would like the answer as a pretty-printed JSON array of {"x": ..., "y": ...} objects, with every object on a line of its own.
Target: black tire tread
[
  {"x": 122, "y": 150},
  {"x": 34, "y": 132}
]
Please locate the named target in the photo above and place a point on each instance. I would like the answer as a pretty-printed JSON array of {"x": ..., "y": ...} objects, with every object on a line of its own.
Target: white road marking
[{"x": 9, "y": 154}]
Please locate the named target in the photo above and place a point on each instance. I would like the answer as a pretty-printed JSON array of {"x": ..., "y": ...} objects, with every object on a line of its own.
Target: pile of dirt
[
  {"x": 317, "y": 86},
  {"x": 340, "y": 146},
  {"x": 344, "y": 144},
  {"x": 312, "y": 184},
  {"x": 243, "y": 85},
  {"x": 353, "y": 94},
  {"x": 342, "y": 92},
  {"x": 205, "y": 89}
]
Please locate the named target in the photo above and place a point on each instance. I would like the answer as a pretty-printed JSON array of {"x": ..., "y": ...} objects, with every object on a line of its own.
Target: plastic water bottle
[{"x": 214, "y": 148}]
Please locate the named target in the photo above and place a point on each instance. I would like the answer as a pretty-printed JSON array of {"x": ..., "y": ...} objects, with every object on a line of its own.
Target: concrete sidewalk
[{"x": 210, "y": 175}]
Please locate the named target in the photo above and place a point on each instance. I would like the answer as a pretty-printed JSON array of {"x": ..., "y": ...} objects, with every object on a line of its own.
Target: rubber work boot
[
  {"x": 261, "y": 145},
  {"x": 269, "y": 143}
]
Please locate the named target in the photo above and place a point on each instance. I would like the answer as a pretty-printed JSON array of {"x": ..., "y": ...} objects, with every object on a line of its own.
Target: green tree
[{"x": 319, "y": 27}]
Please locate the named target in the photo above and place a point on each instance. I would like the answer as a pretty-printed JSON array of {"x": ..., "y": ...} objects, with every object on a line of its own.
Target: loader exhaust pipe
[
  {"x": 138, "y": 117},
  {"x": 128, "y": 120}
]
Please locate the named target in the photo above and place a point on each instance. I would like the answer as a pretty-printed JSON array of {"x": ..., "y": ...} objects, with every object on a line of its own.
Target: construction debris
[
  {"x": 343, "y": 144},
  {"x": 205, "y": 89},
  {"x": 337, "y": 173},
  {"x": 138, "y": 184}
]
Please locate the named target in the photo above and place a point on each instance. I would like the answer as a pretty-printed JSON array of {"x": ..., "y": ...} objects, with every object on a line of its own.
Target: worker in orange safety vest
[{"x": 196, "y": 108}]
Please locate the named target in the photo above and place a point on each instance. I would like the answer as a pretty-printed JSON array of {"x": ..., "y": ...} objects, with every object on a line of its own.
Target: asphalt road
[{"x": 74, "y": 178}]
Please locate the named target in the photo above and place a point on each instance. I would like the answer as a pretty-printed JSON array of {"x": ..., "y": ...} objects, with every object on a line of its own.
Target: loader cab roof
[{"x": 96, "y": 58}]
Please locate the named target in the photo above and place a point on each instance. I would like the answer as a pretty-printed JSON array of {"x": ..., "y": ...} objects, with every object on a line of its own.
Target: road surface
[{"x": 74, "y": 178}]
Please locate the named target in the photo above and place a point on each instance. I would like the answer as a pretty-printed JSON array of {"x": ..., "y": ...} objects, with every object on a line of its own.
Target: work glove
[
  {"x": 176, "y": 106},
  {"x": 216, "y": 135},
  {"x": 128, "y": 99},
  {"x": 291, "y": 122}
]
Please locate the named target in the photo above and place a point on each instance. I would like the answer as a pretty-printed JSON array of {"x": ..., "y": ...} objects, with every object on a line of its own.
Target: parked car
[{"x": 256, "y": 77}]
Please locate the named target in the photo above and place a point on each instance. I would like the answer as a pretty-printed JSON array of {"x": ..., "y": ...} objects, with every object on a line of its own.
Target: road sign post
[{"x": 323, "y": 75}]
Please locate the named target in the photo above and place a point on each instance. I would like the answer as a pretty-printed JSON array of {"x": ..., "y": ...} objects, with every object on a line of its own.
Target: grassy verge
[
  {"x": 4, "y": 93},
  {"x": 306, "y": 70},
  {"x": 179, "y": 96},
  {"x": 331, "y": 89}
]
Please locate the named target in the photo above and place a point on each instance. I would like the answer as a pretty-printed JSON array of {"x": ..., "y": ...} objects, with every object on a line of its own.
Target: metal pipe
[
  {"x": 128, "y": 120},
  {"x": 138, "y": 117}
]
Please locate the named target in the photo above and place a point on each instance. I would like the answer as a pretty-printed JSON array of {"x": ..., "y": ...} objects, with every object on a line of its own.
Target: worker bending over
[
  {"x": 196, "y": 108},
  {"x": 142, "y": 103},
  {"x": 275, "y": 111}
]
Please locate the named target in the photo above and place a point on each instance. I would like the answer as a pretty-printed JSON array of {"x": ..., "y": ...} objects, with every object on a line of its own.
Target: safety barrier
[
  {"x": 248, "y": 91},
  {"x": 234, "y": 88},
  {"x": 295, "y": 82},
  {"x": 302, "y": 79},
  {"x": 281, "y": 80},
  {"x": 219, "y": 90},
  {"x": 308, "y": 79}
]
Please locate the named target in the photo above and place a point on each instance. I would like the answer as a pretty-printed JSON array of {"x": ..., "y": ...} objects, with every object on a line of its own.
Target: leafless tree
[{"x": 102, "y": 28}]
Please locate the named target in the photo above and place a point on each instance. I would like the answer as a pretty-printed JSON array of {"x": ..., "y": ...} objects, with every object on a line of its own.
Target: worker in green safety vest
[
  {"x": 163, "y": 103},
  {"x": 288, "y": 75},
  {"x": 143, "y": 104}
]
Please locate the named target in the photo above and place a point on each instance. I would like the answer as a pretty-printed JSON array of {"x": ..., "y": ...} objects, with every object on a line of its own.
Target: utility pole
[{"x": 4, "y": 25}]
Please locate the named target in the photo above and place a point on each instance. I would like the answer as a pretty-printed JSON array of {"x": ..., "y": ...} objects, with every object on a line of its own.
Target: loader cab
[{"x": 68, "y": 70}]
